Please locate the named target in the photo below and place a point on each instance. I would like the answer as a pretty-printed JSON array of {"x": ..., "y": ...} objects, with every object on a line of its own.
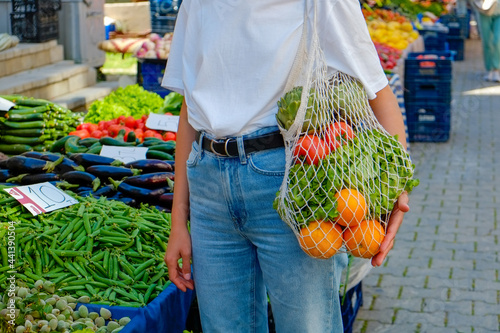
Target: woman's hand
[
  {"x": 400, "y": 208},
  {"x": 179, "y": 247}
]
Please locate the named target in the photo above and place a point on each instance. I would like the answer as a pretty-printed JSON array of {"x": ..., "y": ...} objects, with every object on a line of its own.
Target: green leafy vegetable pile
[{"x": 132, "y": 101}]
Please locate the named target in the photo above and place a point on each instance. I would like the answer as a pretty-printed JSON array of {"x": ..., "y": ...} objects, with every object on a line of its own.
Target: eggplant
[
  {"x": 22, "y": 164},
  {"x": 39, "y": 178},
  {"x": 105, "y": 191},
  {"x": 33, "y": 154},
  {"x": 165, "y": 200},
  {"x": 151, "y": 180},
  {"x": 152, "y": 165},
  {"x": 142, "y": 194},
  {"x": 5, "y": 174},
  {"x": 113, "y": 172},
  {"x": 87, "y": 160},
  {"x": 82, "y": 178},
  {"x": 62, "y": 166},
  {"x": 3, "y": 164},
  {"x": 163, "y": 209},
  {"x": 118, "y": 196}
]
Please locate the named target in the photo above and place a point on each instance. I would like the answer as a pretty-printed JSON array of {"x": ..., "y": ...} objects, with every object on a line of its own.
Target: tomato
[
  {"x": 312, "y": 148},
  {"x": 83, "y": 133},
  {"x": 139, "y": 134},
  {"x": 130, "y": 122},
  {"x": 114, "y": 129},
  {"x": 338, "y": 134},
  {"x": 149, "y": 133},
  {"x": 169, "y": 136},
  {"x": 158, "y": 135},
  {"x": 96, "y": 134}
]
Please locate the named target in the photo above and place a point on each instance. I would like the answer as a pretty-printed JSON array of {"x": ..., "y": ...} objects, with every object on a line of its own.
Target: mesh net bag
[{"x": 344, "y": 171}]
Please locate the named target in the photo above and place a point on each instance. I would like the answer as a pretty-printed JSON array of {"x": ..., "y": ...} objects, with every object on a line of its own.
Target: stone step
[
  {"x": 80, "y": 100},
  {"x": 26, "y": 56},
  {"x": 50, "y": 81}
]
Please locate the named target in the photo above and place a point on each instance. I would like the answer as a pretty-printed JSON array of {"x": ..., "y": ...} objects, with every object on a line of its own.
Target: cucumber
[
  {"x": 156, "y": 154},
  {"x": 14, "y": 149}
]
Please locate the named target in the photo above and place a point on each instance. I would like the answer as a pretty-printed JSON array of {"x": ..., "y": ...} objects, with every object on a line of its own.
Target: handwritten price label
[
  {"x": 124, "y": 154},
  {"x": 5, "y": 105},
  {"x": 162, "y": 122},
  {"x": 41, "y": 198}
]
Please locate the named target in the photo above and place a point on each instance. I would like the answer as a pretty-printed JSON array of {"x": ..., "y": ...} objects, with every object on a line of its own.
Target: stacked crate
[
  {"x": 35, "y": 21},
  {"x": 163, "y": 15},
  {"x": 458, "y": 29},
  {"x": 428, "y": 78}
]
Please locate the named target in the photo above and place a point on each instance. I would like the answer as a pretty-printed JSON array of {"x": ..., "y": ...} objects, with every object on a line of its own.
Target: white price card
[
  {"x": 6, "y": 105},
  {"x": 124, "y": 154},
  {"x": 162, "y": 122},
  {"x": 41, "y": 198}
]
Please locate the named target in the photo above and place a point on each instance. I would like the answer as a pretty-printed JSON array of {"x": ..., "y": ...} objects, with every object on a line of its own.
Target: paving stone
[
  {"x": 479, "y": 322},
  {"x": 436, "y": 318}
]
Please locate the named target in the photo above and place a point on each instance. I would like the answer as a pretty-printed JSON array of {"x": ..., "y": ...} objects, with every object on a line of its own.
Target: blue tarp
[{"x": 167, "y": 313}]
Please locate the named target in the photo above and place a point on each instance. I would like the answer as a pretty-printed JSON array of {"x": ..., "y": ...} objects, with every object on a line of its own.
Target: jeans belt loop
[{"x": 241, "y": 150}]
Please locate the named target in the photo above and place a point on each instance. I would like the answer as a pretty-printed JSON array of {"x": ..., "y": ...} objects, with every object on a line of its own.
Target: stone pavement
[{"x": 443, "y": 274}]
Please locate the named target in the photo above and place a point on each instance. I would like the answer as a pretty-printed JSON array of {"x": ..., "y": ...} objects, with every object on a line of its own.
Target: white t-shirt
[{"x": 231, "y": 58}]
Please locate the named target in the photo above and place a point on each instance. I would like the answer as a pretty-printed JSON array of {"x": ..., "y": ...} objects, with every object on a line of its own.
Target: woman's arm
[
  {"x": 179, "y": 244},
  {"x": 386, "y": 108}
]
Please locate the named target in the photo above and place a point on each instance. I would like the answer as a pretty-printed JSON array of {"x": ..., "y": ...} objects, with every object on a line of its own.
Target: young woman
[{"x": 230, "y": 59}]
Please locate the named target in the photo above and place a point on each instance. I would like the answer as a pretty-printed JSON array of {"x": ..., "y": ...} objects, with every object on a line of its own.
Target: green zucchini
[{"x": 14, "y": 149}]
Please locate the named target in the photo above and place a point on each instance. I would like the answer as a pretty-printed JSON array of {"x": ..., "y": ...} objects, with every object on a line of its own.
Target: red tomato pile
[{"x": 111, "y": 128}]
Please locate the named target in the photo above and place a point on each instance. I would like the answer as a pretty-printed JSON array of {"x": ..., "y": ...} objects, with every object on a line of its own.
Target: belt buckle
[{"x": 225, "y": 141}]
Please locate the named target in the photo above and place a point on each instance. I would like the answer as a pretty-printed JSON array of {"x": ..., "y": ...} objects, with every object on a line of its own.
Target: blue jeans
[{"x": 242, "y": 249}]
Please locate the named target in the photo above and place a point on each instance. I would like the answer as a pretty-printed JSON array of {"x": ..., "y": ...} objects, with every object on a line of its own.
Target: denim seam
[{"x": 264, "y": 172}]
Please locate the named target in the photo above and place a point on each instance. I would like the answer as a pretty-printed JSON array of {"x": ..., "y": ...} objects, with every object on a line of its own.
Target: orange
[
  {"x": 364, "y": 239},
  {"x": 321, "y": 239},
  {"x": 351, "y": 206}
]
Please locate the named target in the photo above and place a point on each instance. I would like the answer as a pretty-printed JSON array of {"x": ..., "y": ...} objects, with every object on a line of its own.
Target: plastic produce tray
[
  {"x": 435, "y": 38},
  {"x": 458, "y": 25},
  {"x": 433, "y": 65},
  {"x": 167, "y": 313},
  {"x": 428, "y": 121},
  {"x": 150, "y": 74},
  {"x": 35, "y": 27}
]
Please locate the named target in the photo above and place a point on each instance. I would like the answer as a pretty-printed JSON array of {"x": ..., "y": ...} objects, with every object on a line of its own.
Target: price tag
[
  {"x": 124, "y": 154},
  {"x": 162, "y": 122},
  {"x": 41, "y": 198},
  {"x": 6, "y": 105}
]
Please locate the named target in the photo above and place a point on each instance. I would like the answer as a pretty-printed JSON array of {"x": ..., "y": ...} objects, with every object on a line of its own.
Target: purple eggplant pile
[{"x": 148, "y": 181}]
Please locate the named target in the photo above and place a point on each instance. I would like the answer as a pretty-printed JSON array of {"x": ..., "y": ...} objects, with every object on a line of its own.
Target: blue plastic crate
[
  {"x": 350, "y": 307},
  {"x": 150, "y": 74},
  {"x": 435, "y": 38},
  {"x": 428, "y": 121},
  {"x": 432, "y": 65},
  {"x": 167, "y": 313},
  {"x": 417, "y": 90},
  {"x": 458, "y": 25},
  {"x": 457, "y": 44},
  {"x": 163, "y": 15}
]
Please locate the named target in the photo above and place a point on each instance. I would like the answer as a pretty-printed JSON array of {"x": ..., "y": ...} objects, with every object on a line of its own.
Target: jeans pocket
[
  {"x": 269, "y": 162},
  {"x": 194, "y": 155}
]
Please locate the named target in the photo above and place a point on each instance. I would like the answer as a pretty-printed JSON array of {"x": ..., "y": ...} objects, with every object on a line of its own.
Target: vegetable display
[
  {"x": 33, "y": 124},
  {"x": 143, "y": 181},
  {"x": 104, "y": 250},
  {"x": 42, "y": 308},
  {"x": 132, "y": 100}
]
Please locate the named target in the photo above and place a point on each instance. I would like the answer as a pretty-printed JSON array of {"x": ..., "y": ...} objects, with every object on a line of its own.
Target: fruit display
[
  {"x": 392, "y": 29},
  {"x": 388, "y": 56},
  {"x": 34, "y": 124}
]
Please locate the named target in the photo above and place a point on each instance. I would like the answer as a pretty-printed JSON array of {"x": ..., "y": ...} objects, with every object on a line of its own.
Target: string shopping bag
[{"x": 344, "y": 171}]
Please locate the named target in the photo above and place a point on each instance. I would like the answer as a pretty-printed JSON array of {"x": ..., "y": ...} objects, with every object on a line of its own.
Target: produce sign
[
  {"x": 34, "y": 124},
  {"x": 100, "y": 249},
  {"x": 41, "y": 198}
]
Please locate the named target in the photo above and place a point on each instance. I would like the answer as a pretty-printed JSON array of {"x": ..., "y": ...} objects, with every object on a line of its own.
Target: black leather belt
[{"x": 228, "y": 147}]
